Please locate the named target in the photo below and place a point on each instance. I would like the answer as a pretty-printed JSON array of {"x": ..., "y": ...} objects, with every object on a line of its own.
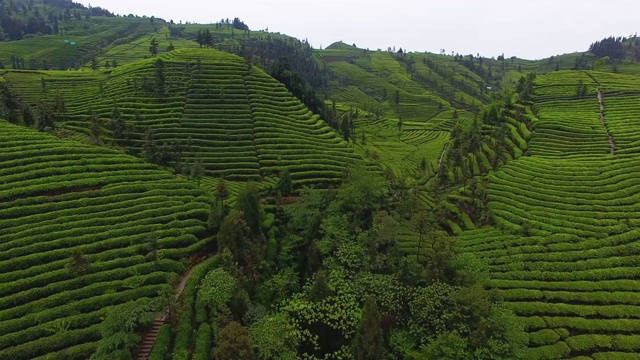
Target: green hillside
[
  {"x": 211, "y": 107},
  {"x": 130, "y": 224},
  {"x": 562, "y": 248},
  {"x": 208, "y": 191}
]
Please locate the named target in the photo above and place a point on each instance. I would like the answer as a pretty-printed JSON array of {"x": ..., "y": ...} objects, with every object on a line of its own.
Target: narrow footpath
[
  {"x": 612, "y": 142},
  {"x": 149, "y": 337}
]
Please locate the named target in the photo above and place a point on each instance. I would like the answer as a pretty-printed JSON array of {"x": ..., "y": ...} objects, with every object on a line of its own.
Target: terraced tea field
[
  {"x": 238, "y": 121},
  {"x": 87, "y": 37},
  {"x": 565, "y": 247},
  {"x": 58, "y": 198}
]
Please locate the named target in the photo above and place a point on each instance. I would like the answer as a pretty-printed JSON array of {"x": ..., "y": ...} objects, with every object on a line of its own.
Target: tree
[
  {"x": 448, "y": 345},
  {"x": 368, "y": 343},
  {"x": 207, "y": 38},
  {"x": 200, "y": 38},
  {"x": 170, "y": 47},
  {"x": 46, "y": 118},
  {"x": 420, "y": 222},
  {"x": 118, "y": 126},
  {"x": 197, "y": 170},
  {"x": 234, "y": 235},
  {"x": 149, "y": 149},
  {"x": 233, "y": 343},
  {"x": 27, "y": 116},
  {"x": 94, "y": 123},
  {"x": 153, "y": 48},
  {"x": 360, "y": 197},
  {"x": 423, "y": 166},
  {"x": 222, "y": 191},
  {"x": 121, "y": 328},
  {"x": 248, "y": 202},
  {"x": 217, "y": 289},
  {"x": 397, "y": 99},
  {"x": 79, "y": 264},
  {"x": 285, "y": 184},
  {"x": 581, "y": 90},
  {"x": 159, "y": 77},
  {"x": 273, "y": 337}
]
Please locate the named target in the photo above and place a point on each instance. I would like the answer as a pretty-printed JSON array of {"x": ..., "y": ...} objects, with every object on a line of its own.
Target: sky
[{"x": 532, "y": 29}]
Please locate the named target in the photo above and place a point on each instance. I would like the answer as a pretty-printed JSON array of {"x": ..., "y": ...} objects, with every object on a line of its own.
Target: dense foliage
[
  {"x": 334, "y": 285},
  {"x": 613, "y": 47}
]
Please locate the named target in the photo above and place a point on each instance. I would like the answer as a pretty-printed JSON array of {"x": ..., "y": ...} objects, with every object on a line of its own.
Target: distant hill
[{"x": 196, "y": 105}]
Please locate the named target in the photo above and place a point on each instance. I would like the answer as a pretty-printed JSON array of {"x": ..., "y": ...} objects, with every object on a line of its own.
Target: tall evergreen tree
[
  {"x": 248, "y": 202},
  {"x": 118, "y": 126},
  {"x": 368, "y": 343},
  {"x": 153, "y": 48}
]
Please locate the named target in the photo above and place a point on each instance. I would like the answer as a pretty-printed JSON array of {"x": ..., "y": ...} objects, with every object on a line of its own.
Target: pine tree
[
  {"x": 94, "y": 122},
  {"x": 248, "y": 202},
  {"x": 159, "y": 78},
  {"x": 369, "y": 341},
  {"x": 222, "y": 192},
  {"x": 153, "y": 48},
  {"x": 285, "y": 184},
  {"x": 118, "y": 126}
]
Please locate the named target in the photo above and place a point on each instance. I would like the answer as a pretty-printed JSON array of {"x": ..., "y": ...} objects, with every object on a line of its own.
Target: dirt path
[
  {"x": 612, "y": 142},
  {"x": 442, "y": 156},
  {"x": 149, "y": 337}
]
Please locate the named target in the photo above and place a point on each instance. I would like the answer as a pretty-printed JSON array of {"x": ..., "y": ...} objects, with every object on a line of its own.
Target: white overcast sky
[{"x": 531, "y": 29}]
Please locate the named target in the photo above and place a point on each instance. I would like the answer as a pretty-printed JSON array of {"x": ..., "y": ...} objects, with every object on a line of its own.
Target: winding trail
[
  {"x": 150, "y": 336},
  {"x": 612, "y": 142},
  {"x": 442, "y": 156}
]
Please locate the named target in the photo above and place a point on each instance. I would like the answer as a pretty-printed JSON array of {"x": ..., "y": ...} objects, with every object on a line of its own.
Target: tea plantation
[
  {"x": 564, "y": 248},
  {"x": 239, "y": 122},
  {"x": 128, "y": 224}
]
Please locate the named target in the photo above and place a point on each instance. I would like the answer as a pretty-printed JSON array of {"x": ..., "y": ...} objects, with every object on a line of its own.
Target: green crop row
[
  {"x": 33, "y": 326},
  {"x": 591, "y": 297},
  {"x": 143, "y": 212},
  {"x": 163, "y": 344},
  {"x": 108, "y": 194},
  {"x": 530, "y": 308},
  {"x": 135, "y": 203},
  {"x": 594, "y": 326},
  {"x": 69, "y": 296},
  {"x": 51, "y": 344},
  {"x": 591, "y": 275},
  {"x": 626, "y": 343},
  {"x": 109, "y": 239},
  {"x": 185, "y": 330},
  {"x": 48, "y": 284}
]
